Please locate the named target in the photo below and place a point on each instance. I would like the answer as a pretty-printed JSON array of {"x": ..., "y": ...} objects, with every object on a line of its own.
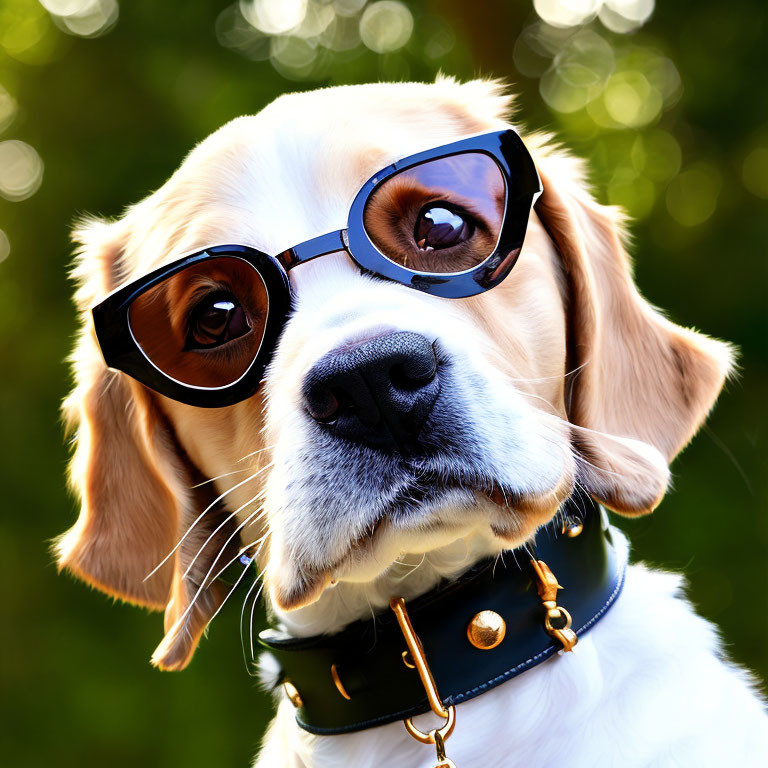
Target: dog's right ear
[{"x": 123, "y": 470}]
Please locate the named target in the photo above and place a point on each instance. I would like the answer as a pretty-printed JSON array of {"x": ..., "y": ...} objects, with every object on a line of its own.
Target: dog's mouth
[{"x": 427, "y": 505}]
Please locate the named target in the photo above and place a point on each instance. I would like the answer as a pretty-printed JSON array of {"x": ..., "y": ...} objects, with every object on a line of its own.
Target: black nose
[{"x": 378, "y": 392}]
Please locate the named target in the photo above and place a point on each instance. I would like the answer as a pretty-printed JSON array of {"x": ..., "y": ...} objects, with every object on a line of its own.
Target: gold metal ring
[
  {"x": 293, "y": 694},
  {"x": 429, "y": 738},
  {"x": 557, "y": 612}
]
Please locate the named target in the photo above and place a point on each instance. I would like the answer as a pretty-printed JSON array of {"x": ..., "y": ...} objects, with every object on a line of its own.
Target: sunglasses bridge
[{"x": 322, "y": 245}]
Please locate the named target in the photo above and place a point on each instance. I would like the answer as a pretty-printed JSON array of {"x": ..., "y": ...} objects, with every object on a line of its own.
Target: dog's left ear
[
  {"x": 136, "y": 487},
  {"x": 638, "y": 386}
]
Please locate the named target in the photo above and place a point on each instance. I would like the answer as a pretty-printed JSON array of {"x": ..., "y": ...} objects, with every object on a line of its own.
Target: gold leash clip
[
  {"x": 547, "y": 588},
  {"x": 436, "y": 736}
]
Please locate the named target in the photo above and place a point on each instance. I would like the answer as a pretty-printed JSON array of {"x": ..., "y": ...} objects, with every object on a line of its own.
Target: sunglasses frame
[{"x": 121, "y": 350}]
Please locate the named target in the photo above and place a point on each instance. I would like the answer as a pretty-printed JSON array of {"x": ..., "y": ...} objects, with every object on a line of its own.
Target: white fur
[{"x": 646, "y": 686}]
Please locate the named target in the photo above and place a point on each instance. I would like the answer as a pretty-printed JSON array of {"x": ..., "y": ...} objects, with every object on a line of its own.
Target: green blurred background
[{"x": 99, "y": 102}]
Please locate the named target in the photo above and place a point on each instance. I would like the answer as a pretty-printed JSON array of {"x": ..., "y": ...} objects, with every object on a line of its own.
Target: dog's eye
[
  {"x": 215, "y": 320},
  {"x": 440, "y": 227}
]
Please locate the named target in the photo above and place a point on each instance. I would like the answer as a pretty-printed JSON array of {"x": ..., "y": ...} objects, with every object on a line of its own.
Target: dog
[{"x": 559, "y": 382}]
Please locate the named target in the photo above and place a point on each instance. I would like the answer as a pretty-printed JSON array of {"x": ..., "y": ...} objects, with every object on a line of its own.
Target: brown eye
[
  {"x": 215, "y": 320},
  {"x": 440, "y": 227}
]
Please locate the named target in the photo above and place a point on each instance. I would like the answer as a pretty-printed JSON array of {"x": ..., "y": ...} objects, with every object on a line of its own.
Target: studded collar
[{"x": 501, "y": 618}]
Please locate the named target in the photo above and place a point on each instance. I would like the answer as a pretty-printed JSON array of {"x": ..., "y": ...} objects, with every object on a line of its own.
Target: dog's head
[{"x": 562, "y": 379}]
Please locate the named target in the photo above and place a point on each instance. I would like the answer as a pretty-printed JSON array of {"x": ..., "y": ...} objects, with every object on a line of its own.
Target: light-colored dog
[{"x": 564, "y": 375}]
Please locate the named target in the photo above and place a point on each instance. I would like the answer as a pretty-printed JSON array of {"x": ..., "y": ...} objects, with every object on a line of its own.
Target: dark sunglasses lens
[
  {"x": 204, "y": 325},
  {"x": 443, "y": 216}
]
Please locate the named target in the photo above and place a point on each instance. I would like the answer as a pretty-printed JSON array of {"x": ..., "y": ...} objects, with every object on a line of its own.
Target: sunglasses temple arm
[{"x": 311, "y": 249}]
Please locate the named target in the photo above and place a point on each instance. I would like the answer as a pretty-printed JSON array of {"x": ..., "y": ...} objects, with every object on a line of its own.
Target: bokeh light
[
  {"x": 386, "y": 26},
  {"x": 65, "y": 7},
  {"x": 624, "y": 16},
  {"x": 234, "y": 32},
  {"x": 662, "y": 155},
  {"x": 317, "y": 18},
  {"x": 566, "y": 13},
  {"x": 348, "y": 7},
  {"x": 600, "y": 79},
  {"x": 440, "y": 41},
  {"x": 632, "y": 191},
  {"x": 619, "y": 16},
  {"x": 83, "y": 18},
  {"x": 27, "y": 33},
  {"x": 292, "y": 56},
  {"x": 297, "y": 36},
  {"x": 8, "y": 108},
  {"x": 274, "y": 17},
  {"x": 692, "y": 195},
  {"x": 342, "y": 34},
  {"x": 5, "y": 246},
  {"x": 631, "y": 100},
  {"x": 754, "y": 172},
  {"x": 578, "y": 73},
  {"x": 21, "y": 170}
]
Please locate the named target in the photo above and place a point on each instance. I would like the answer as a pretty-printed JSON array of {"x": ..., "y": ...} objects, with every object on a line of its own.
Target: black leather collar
[{"x": 368, "y": 654}]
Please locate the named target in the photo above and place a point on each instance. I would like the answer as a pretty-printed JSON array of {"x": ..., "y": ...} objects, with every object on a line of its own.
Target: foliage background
[{"x": 672, "y": 115}]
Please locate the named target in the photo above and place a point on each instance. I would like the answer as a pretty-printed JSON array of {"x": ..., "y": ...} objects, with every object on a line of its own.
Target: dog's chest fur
[{"x": 647, "y": 686}]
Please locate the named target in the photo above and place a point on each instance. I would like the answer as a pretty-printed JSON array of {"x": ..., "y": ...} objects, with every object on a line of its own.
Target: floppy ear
[
  {"x": 639, "y": 386},
  {"x": 130, "y": 478}
]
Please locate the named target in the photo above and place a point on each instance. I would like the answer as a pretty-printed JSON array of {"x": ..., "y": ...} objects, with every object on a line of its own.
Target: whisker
[
  {"x": 220, "y": 526},
  {"x": 375, "y": 623},
  {"x": 200, "y": 588},
  {"x": 218, "y": 477},
  {"x": 259, "y": 578},
  {"x": 413, "y": 568},
  {"x": 256, "y": 581},
  {"x": 206, "y": 579},
  {"x": 254, "y": 453},
  {"x": 572, "y": 372},
  {"x": 260, "y": 542},
  {"x": 729, "y": 455},
  {"x": 242, "y": 614},
  {"x": 235, "y": 471},
  {"x": 229, "y": 594},
  {"x": 551, "y": 410},
  {"x": 586, "y": 462},
  {"x": 199, "y": 518}
]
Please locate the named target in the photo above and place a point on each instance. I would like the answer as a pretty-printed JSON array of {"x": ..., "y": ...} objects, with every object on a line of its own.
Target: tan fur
[
  {"x": 121, "y": 466},
  {"x": 133, "y": 480},
  {"x": 567, "y": 326},
  {"x": 636, "y": 375}
]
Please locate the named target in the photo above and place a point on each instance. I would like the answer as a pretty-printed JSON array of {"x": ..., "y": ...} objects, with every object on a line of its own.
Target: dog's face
[{"x": 561, "y": 378}]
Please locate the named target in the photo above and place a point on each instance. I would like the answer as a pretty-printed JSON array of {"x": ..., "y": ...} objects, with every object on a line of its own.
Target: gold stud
[
  {"x": 486, "y": 630},
  {"x": 293, "y": 694}
]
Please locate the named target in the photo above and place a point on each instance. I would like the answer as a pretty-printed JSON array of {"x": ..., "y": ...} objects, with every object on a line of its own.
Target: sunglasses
[{"x": 449, "y": 222}]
